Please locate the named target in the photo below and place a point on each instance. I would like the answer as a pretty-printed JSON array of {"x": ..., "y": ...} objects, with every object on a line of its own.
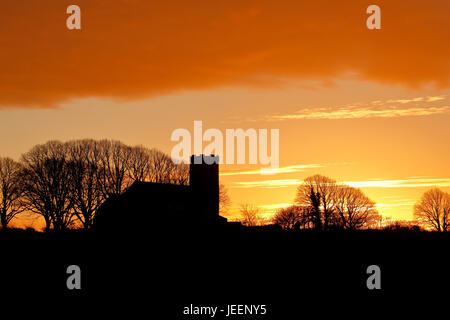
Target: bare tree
[
  {"x": 10, "y": 190},
  {"x": 293, "y": 217},
  {"x": 401, "y": 225},
  {"x": 139, "y": 163},
  {"x": 66, "y": 180},
  {"x": 114, "y": 165},
  {"x": 317, "y": 192},
  {"x": 250, "y": 215},
  {"x": 160, "y": 167},
  {"x": 376, "y": 222},
  {"x": 164, "y": 170},
  {"x": 224, "y": 200},
  {"x": 179, "y": 174},
  {"x": 46, "y": 184},
  {"x": 354, "y": 209},
  {"x": 433, "y": 210},
  {"x": 85, "y": 190}
]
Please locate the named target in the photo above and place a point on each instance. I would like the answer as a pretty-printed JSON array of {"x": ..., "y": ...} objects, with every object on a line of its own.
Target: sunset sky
[{"x": 367, "y": 107}]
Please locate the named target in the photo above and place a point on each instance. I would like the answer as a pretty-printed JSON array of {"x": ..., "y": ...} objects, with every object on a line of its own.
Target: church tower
[{"x": 204, "y": 183}]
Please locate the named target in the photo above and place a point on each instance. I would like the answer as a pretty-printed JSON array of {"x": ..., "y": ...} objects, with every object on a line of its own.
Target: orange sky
[{"x": 354, "y": 104}]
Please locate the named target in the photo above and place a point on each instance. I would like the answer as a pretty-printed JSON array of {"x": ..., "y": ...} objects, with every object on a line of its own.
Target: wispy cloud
[
  {"x": 274, "y": 206},
  {"x": 373, "y": 183},
  {"x": 356, "y": 112},
  {"x": 418, "y": 99},
  {"x": 401, "y": 183},
  {"x": 373, "y": 109},
  {"x": 287, "y": 169},
  {"x": 268, "y": 183},
  {"x": 393, "y": 203}
]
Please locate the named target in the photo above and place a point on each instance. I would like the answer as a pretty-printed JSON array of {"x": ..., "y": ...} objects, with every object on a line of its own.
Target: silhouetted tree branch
[
  {"x": 354, "y": 209},
  {"x": 46, "y": 180},
  {"x": 163, "y": 170},
  {"x": 250, "y": 215},
  {"x": 317, "y": 192},
  {"x": 293, "y": 217},
  {"x": 139, "y": 163},
  {"x": 114, "y": 167},
  {"x": 85, "y": 190},
  {"x": 433, "y": 210},
  {"x": 224, "y": 200},
  {"x": 10, "y": 190},
  {"x": 333, "y": 205}
]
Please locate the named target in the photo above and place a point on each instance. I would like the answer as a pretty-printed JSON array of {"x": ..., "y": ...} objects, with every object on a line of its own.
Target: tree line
[
  {"x": 65, "y": 183},
  {"x": 323, "y": 204}
]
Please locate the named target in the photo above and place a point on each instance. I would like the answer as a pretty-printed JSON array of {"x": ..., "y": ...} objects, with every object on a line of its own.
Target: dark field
[{"x": 161, "y": 271}]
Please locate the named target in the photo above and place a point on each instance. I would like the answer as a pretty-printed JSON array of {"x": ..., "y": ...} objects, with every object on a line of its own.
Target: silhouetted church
[{"x": 145, "y": 204}]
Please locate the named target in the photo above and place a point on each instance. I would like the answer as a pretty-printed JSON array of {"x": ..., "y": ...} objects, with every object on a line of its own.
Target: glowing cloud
[
  {"x": 275, "y": 206},
  {"x": 137, "y": 48},
  {"x": 360, "y": 112},
  {"x": 287, "y": 169},
  {"x": 401, "y": 183},
  {"x": 373, "y": 109},
  {"x": 375, "y": 183},
  {"x": 269, "y": 183}
]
